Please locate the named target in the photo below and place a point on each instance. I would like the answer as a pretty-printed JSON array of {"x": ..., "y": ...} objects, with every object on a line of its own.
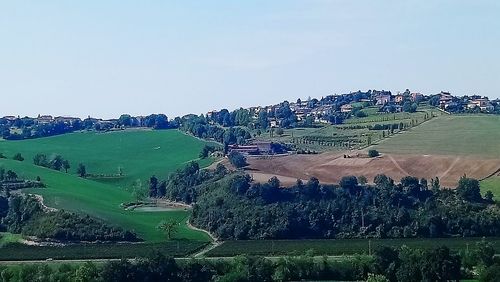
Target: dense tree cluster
[
  {"x": 387, "y": 264},
  {"x": 31, "y": 128},
  {"x": 234, "y": 207},
  {"x": 57, "y": 162},
  {"x": 200, "y": 127},
  {"x": 24, "y": 214},
  {"x": 208, "y": 150},
  {"x": 237, "y": 159}
]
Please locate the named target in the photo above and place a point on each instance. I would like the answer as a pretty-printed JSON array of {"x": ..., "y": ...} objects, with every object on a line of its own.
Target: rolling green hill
[
  {"x": 471, "y": 135},
  {"x": 140, "y": 153}
]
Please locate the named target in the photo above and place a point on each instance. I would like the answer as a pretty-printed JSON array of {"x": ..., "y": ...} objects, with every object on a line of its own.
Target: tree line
[
  {"x": 386, "y": 264},
  {"x": 232, "y": 206}
]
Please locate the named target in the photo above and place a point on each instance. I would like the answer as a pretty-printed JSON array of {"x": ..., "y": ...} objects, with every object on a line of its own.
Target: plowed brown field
[{"x": 331, "y": 167}]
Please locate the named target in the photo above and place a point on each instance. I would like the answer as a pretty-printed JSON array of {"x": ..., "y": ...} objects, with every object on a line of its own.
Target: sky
[{"x": 105, "y": 58}]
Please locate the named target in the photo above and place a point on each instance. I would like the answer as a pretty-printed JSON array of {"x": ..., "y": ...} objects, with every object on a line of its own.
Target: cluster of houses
[
  {"x": 44, "y": 119},
  {"x": 455, "y": 104},
  {"x": 321, "y": 110},
  {"x": 139, "y": 121}
]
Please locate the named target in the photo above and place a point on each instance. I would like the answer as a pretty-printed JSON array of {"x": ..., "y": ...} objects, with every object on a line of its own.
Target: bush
[
  {"x": 237, "y": 159},
  {"x": 18, "y": 157},
  {"x": 373, "y": 153},
  {"x": 280, "y": 131}
]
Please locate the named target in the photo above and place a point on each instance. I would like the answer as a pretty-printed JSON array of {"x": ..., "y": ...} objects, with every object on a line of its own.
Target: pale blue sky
[{"x": 104, "y": 58}]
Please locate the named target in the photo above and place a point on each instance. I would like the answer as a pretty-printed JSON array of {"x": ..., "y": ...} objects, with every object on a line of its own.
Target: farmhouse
[
  {"x": 383, "y": 99},
  {"x": 67, "y": 120},
  {"x": 416, "y": 97},
  {"x": 399, "y": 98},
  {"x": 10, "y": 118},
  {"x": 44, "y": 119},
  {"x": 257, "y": 148},
  {"x": 483, "y": 104},
  {"x": 346, "y": 108}
]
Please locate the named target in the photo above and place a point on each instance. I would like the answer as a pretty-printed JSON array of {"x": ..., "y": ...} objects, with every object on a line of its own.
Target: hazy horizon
[{"x": 105, "y": 59}]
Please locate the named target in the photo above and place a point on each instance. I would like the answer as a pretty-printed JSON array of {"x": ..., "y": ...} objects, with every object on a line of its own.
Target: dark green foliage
[
  {"x": 490, "y": 274},
  {"x": 56, "y": 163},
  {"x": 235, "y": 208},
  {"x": 200, "y": 127},
  {"x": 25, "y": 215},
  {"x": 18, "y": 157},
  {"x": 207, "y": 150},
  {"x": 430, "y": 265},
  {"x": 338, "y": 247},
  {"x": 41, "y": 160},
  {"x": 99, "y": 250},
  {"x": 237, "y": 159},
  {"x": 373, "y": 153},
  {"x": 81, "y": 170},
  {"x": 469, "y": 190},
  {"x": 349, "y": 182}
]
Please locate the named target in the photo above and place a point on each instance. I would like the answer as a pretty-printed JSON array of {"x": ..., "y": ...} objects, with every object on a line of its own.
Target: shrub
[
  {"x": 373, "y": 153},
  {"x": 237, "y": 159},
  {"x": 18, "y": 157}
]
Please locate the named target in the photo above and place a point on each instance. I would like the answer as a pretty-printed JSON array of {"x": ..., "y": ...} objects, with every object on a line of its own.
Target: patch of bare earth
[{"x": 331, "y": 167}]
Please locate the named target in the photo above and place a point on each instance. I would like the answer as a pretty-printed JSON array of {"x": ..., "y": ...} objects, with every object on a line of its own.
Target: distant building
[
  {"x": 382, "y": 99},
  {"x": 346, "y": 108},
  {"x": 256, "y": 148},
  {"x": 10, "y": 118},
  {"x": 416, "y": 97},
  {"x": 67, "y": 120},
  {"x": 274, "y": 123},
  {"x": 399, "y": 98},
  {"x": 483, "y": 104},
  {"x": 44, "y": 119}
]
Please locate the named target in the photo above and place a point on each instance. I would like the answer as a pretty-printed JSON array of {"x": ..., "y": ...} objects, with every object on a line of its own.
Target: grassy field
[
  {"x": 99, "y": 251},
  {"x": 8, "y": 238},
  {"x": 491, "y": 184},
  {"x": 338, "y": 247},
  {"x": 140, "y": 153},
  {"x": 449, "y": 135}
]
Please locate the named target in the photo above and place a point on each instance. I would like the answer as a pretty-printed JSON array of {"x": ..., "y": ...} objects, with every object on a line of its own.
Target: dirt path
[
  {"x": 214, "y": 244},
  {"x": 449, "y": 168},
  {"x": 39, "y": 198},
  {"x": 397, "y": 165}
]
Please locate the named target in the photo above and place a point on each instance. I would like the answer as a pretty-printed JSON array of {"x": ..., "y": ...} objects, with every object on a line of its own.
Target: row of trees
[
  {"x": 232, "y": 206},
  {"x": 30, "y": 128},
  {"x": 57, "y": 162},
  {"x": 387, "y": 264}
]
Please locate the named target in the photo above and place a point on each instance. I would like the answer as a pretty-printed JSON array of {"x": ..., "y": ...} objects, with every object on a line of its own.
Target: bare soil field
[{"x": 330, "y": 167}]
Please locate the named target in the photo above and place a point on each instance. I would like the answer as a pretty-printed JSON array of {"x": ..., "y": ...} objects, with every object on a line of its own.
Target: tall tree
[
  {"x": 153, "y": 187},
  {"x": 81, "y": 170},
  {"x": 169, "y": 227},
  {"x": 66, "y": 165}
]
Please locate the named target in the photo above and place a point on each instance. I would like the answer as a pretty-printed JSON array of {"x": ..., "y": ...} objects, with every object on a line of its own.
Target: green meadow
[
  {"x": 468, "y": 135},
  {"x": 139, "y": 153},
  {"x": 492, "y": 184}
]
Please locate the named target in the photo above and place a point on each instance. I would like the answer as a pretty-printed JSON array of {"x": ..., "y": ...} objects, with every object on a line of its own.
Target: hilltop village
[{"x": 311, "y": 112}]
